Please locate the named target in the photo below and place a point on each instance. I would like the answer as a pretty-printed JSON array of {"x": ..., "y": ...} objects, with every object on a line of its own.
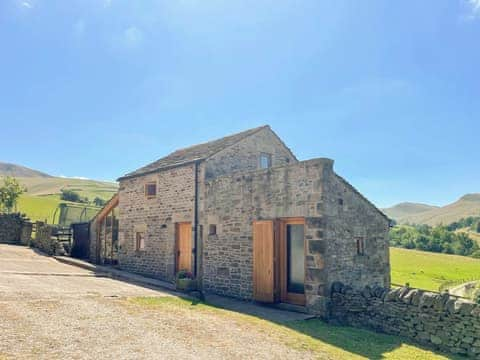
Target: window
[
  {"x": 151, "y": 190},
  {"x": 265, "y": 161},
  {"x": 212, "y": 229},
  {"x": 360, "y": 246},
  {"x": 139, "y": 240}
]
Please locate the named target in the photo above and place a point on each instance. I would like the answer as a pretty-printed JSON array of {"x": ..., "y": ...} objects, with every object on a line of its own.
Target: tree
[
  {"x": 9, "y": 193},
  {"x": 99, "y": 202},
  {"x": 70, "y": 195}
]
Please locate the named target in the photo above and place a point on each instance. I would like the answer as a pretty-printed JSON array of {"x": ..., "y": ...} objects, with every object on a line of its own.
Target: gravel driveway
[{"x": 50, "y": 310}]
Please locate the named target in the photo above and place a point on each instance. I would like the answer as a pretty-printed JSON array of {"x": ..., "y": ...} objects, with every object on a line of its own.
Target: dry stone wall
[
  {"x": 439, "y": 320},
  {"x": 44, "y": 241},
  {"x": 14, "y": 229}
]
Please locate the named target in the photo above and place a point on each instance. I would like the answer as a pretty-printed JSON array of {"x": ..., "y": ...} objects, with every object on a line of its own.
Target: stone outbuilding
[{"x": 251, "y": 222}]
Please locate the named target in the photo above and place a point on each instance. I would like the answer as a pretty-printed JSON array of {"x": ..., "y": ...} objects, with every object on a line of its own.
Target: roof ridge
[
  {"x": 195, "y": 152},
  {"x": 253, "y": 130}
]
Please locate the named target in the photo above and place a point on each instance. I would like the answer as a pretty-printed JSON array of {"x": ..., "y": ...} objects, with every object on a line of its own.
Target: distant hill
[
  {"x": 53, "y": 185},
  {"x": 406, "y": 209},
  {"x": 43, "y": 190},
  {"x": 7, "y": 169},
  {"x": 467, "y": 205}
]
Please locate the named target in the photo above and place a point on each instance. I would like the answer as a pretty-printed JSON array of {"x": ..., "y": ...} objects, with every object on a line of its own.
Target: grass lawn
[
  {"x": 313, "y": 336},
  {"x": 428, "y": 270}
]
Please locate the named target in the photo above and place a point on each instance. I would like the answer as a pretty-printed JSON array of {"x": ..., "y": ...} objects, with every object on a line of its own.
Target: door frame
[
  {"x": 285, "y": 296},
  {"x": 177, "y": 249}
]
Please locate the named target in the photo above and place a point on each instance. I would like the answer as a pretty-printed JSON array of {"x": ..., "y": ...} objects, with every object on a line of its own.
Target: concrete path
[
  {"x": 245, "y": 307},
  {"x": 23, "y": 270}
]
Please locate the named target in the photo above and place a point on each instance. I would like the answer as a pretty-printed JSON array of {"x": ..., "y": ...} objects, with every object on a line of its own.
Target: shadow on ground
[{"x": 316, "y": 332}]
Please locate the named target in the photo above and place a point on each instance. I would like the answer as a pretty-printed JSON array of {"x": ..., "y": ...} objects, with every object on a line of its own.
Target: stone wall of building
[
  {"x": 351, "y": 218},
  {"x": 233, "y": 202},
  {"x": 173, "y": 204},
  {"x": 245, "y": 155},
  {"x": 11, "y": 226},
  {"x": 438, "y": 320}
]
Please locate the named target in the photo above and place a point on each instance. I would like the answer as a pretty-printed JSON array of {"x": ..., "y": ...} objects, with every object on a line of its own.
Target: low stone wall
[
  {"x": 14, "y": 229},
  {"x": 43, "y": 240},
  {"x": 442, "y": 321}
]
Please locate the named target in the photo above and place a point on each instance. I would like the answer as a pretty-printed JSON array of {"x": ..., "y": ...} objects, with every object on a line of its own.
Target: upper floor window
[
  {"x": 265, "y": 161},
  {"x": 151, "y": 189}
]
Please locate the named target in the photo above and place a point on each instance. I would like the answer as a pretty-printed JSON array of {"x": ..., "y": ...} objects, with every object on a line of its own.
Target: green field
[
  {"x": 43, "y": 197},
  {"x": 428, "y": 270},
  {"x": 39, "y": 208},
  {"x": 42, "y": 208}
]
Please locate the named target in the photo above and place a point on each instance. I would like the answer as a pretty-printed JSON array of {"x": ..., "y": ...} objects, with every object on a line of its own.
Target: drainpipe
[{"x": 195, "y": 220}]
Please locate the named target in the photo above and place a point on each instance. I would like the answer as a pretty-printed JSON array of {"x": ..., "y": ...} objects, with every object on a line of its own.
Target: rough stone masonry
[{"x": 442, "y": 321}]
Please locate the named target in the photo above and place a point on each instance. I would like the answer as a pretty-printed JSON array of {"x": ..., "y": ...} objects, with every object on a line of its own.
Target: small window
[
  {"x": 212, "y": 229},
  {"x": 139, "y": 240},
  {"x": 151, "y": 190},
  {"x": 265, "y": 161},
  {"x": 360, "y": 246}
]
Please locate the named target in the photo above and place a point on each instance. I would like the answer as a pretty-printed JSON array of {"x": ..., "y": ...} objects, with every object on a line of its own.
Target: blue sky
[{"x": 389, "y": 90}]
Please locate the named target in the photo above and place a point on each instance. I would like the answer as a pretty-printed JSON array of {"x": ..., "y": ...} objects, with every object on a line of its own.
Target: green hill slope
[
  {"x": 43, "y": 192},
  {"x": 44, "y": 208},
  {"x": 86, "y": 188},
  {"x": 7, "y": 169},
  {"x": 427, "y": 270}
]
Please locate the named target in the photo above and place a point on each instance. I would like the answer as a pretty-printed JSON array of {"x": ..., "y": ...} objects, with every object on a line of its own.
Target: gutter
[{"x": 166, "y": 167}]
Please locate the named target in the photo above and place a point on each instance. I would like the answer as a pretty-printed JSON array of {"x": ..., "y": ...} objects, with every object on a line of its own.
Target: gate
[{"x": 81, "y": 240}]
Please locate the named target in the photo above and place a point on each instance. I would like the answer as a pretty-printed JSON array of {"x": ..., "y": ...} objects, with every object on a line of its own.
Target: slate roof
[{"x": 194, "y": 153}]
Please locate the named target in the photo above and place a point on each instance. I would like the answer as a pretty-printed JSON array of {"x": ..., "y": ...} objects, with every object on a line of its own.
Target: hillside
[
  {"x": 467, "y": 205},
  {"x": 427, "y": 270},
  {"x": 7, "y": 169},
  {"x": 406, "y": 209},
  {"x": 43, "y": 191},
  {"x": 53, "y": 185}
]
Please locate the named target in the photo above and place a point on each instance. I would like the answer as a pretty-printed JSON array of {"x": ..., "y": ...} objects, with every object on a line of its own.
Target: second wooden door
[{"x": 184, "y": 246}]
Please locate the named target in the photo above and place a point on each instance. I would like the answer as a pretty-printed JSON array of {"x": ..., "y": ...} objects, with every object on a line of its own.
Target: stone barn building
[{"x": 250, "y": 221}]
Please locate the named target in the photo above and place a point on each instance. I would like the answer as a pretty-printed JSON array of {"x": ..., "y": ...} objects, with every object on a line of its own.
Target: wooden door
[
  {"x": 292, "y": 260},
  {"x": 184, "y": 246},
  {"x": 263, "y": 261}
]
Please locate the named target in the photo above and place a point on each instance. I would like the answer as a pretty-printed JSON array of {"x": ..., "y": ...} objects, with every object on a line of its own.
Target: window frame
[
  {"x": 267, "y": 156},
  {"x": 360, "y": 243},
  {"x": 147, "y": 184},
  {"x": 212, "y": 229},
  {"x": 140, "y": 243}
]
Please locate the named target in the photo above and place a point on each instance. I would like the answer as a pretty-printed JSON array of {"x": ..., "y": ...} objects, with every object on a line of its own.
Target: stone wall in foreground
[
  {"x": 14, "y": 229},
  {"x": 442, "y": 321}
]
